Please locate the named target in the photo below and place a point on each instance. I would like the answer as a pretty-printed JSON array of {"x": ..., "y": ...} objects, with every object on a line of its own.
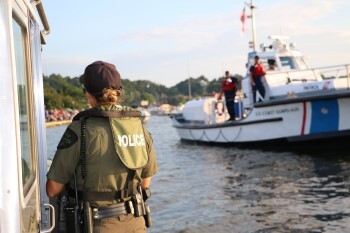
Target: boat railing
[
  {"x": 41, "y": 12},
  {"x": 309, "y": 75}
]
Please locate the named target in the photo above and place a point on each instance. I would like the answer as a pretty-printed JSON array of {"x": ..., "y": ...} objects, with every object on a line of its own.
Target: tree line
[{"x": 66, "y": 92}]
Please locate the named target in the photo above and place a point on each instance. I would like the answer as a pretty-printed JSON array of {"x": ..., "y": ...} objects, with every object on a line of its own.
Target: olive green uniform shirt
[{"x": 105, "y": 170}]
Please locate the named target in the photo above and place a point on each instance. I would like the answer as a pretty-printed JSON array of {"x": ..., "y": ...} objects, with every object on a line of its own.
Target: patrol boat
[
  {"x": 23, "y": 202},
  {"x": 302, "y": 105}
]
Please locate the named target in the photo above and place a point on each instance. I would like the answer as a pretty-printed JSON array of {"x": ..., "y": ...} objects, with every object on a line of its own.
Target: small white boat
[
  {"x": 301, "y": 104},
  {"x": 145, "y": 115}
]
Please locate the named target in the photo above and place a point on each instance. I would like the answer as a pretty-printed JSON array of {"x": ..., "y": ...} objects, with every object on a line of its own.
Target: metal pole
[
  {"x": 348, "y": 70},
  {"x": 252, "y": 7},
  {"x": 189, "y": 81}
]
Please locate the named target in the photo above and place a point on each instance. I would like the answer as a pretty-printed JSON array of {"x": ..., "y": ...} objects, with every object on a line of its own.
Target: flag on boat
[{"x": 243, "y": 18}]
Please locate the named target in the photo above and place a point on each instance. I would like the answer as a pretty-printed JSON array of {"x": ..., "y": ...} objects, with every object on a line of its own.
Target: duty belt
[{"x": 113, "y": 210}]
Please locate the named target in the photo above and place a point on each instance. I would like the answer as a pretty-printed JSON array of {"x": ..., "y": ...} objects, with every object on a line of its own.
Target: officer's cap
[{"x": 100, "y": 75}]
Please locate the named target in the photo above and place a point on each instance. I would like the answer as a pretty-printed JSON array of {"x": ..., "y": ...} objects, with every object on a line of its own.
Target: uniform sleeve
[
  {"x": 152, "y": 166},
  {"x": 67, "y": 155}
]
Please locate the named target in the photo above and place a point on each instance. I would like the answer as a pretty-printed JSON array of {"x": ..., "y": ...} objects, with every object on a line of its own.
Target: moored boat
[
  {"x": 301, "y": 104},
  {"x": 145, "y": 115}
]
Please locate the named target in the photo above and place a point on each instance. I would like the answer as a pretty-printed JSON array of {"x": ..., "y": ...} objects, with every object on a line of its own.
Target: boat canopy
[{"x": 278, "y": 56}]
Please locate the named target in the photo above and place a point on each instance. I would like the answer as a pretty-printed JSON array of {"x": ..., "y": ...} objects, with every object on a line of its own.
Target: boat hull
[
  {"x": 295, "y": 122},
  {"x": 319, "y": 144}
]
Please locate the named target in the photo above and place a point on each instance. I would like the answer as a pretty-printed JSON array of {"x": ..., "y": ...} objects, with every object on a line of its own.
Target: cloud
[
  {"x": 299, "y": 18},
  {"x": 182, "y": 31},
  {"x": 298, "y": 11},
  {"x": 295, "y": 18},
  {"x": 345, "y": 34},
  {"x": 65, "y": 65},
  {"x": 73, "y": 60},
  {"x": 181, "y": 37},
  {"x": 211, "y": 44}
]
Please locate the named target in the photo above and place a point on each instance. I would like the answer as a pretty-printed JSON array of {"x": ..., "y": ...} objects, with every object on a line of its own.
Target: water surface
[{"x": 212, "y": 189}]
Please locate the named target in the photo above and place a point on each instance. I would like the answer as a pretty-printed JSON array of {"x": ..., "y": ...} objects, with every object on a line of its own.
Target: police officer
[
  {"x": 229, "y": 88},
  {"x": 256, "y": 73},
  {"x": 106, "y": 154}
]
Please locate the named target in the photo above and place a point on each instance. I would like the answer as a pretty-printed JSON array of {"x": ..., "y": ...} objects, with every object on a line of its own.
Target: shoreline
[{"x": 57, "y": 123}]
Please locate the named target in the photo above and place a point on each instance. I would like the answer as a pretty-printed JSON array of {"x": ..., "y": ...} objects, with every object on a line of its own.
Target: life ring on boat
[{"x": 219, "y": 109}]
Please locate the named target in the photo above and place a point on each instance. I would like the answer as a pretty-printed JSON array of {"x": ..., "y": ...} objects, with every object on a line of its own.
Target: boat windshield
[
  {"x": 301, "y": 63},
  {"x": 264, "y": 61},
  {"x": 287, "y": 63}
]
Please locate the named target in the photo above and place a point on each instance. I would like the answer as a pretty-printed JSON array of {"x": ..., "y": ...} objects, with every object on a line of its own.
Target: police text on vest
[{"x": 131, "y": 140}]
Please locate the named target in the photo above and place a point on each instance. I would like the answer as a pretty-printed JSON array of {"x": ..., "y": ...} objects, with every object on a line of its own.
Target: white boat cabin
[{"x": 289, "y": 76}]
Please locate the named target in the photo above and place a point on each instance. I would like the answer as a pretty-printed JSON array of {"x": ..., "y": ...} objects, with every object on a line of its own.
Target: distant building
[{"x": 144, "y": 103}]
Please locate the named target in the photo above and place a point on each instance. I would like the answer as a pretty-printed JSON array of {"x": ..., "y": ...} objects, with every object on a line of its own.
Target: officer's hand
[{"x": 253, "y": 83}]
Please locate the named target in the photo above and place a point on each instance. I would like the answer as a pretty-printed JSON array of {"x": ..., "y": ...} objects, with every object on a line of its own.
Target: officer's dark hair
[{"x": 227, "y": 72}]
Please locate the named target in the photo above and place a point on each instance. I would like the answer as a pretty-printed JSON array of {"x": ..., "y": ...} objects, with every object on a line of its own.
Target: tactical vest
[
  {"x": 128, "y": 133},
  {"x": 129, "y": 143},
  {"x": 130, "y": 146}
]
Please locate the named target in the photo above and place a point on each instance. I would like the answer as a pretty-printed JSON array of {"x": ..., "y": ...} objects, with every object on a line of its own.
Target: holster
[{"x": 139, "y": 205}]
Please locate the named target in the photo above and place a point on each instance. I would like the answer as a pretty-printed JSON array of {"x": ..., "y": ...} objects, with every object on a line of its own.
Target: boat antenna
[
  {"x": 252, "y": 17},
  {"x": 189, "y": 80}
]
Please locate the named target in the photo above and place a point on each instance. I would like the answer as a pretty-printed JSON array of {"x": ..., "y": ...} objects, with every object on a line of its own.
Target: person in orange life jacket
[
  {"x": 256, "y": 73},
  {"x": 229, "y": 88}
]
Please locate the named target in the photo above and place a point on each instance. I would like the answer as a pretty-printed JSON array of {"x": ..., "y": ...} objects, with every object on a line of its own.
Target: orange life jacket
[{"x": 258, "y": 70}]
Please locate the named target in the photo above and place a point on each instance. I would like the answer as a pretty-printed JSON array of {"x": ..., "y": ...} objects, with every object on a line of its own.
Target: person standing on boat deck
[
  {"x": 229, "y": 88},
  {"x": 256, "y": 72},
  {"x": 108, "y": 155}
]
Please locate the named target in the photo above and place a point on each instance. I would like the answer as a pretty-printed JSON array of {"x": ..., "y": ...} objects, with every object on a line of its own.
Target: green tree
[{"x": 66, "y": 92}]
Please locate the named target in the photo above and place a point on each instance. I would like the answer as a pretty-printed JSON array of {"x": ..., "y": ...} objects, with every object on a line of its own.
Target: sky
[{"x": 168, "y": 41}]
